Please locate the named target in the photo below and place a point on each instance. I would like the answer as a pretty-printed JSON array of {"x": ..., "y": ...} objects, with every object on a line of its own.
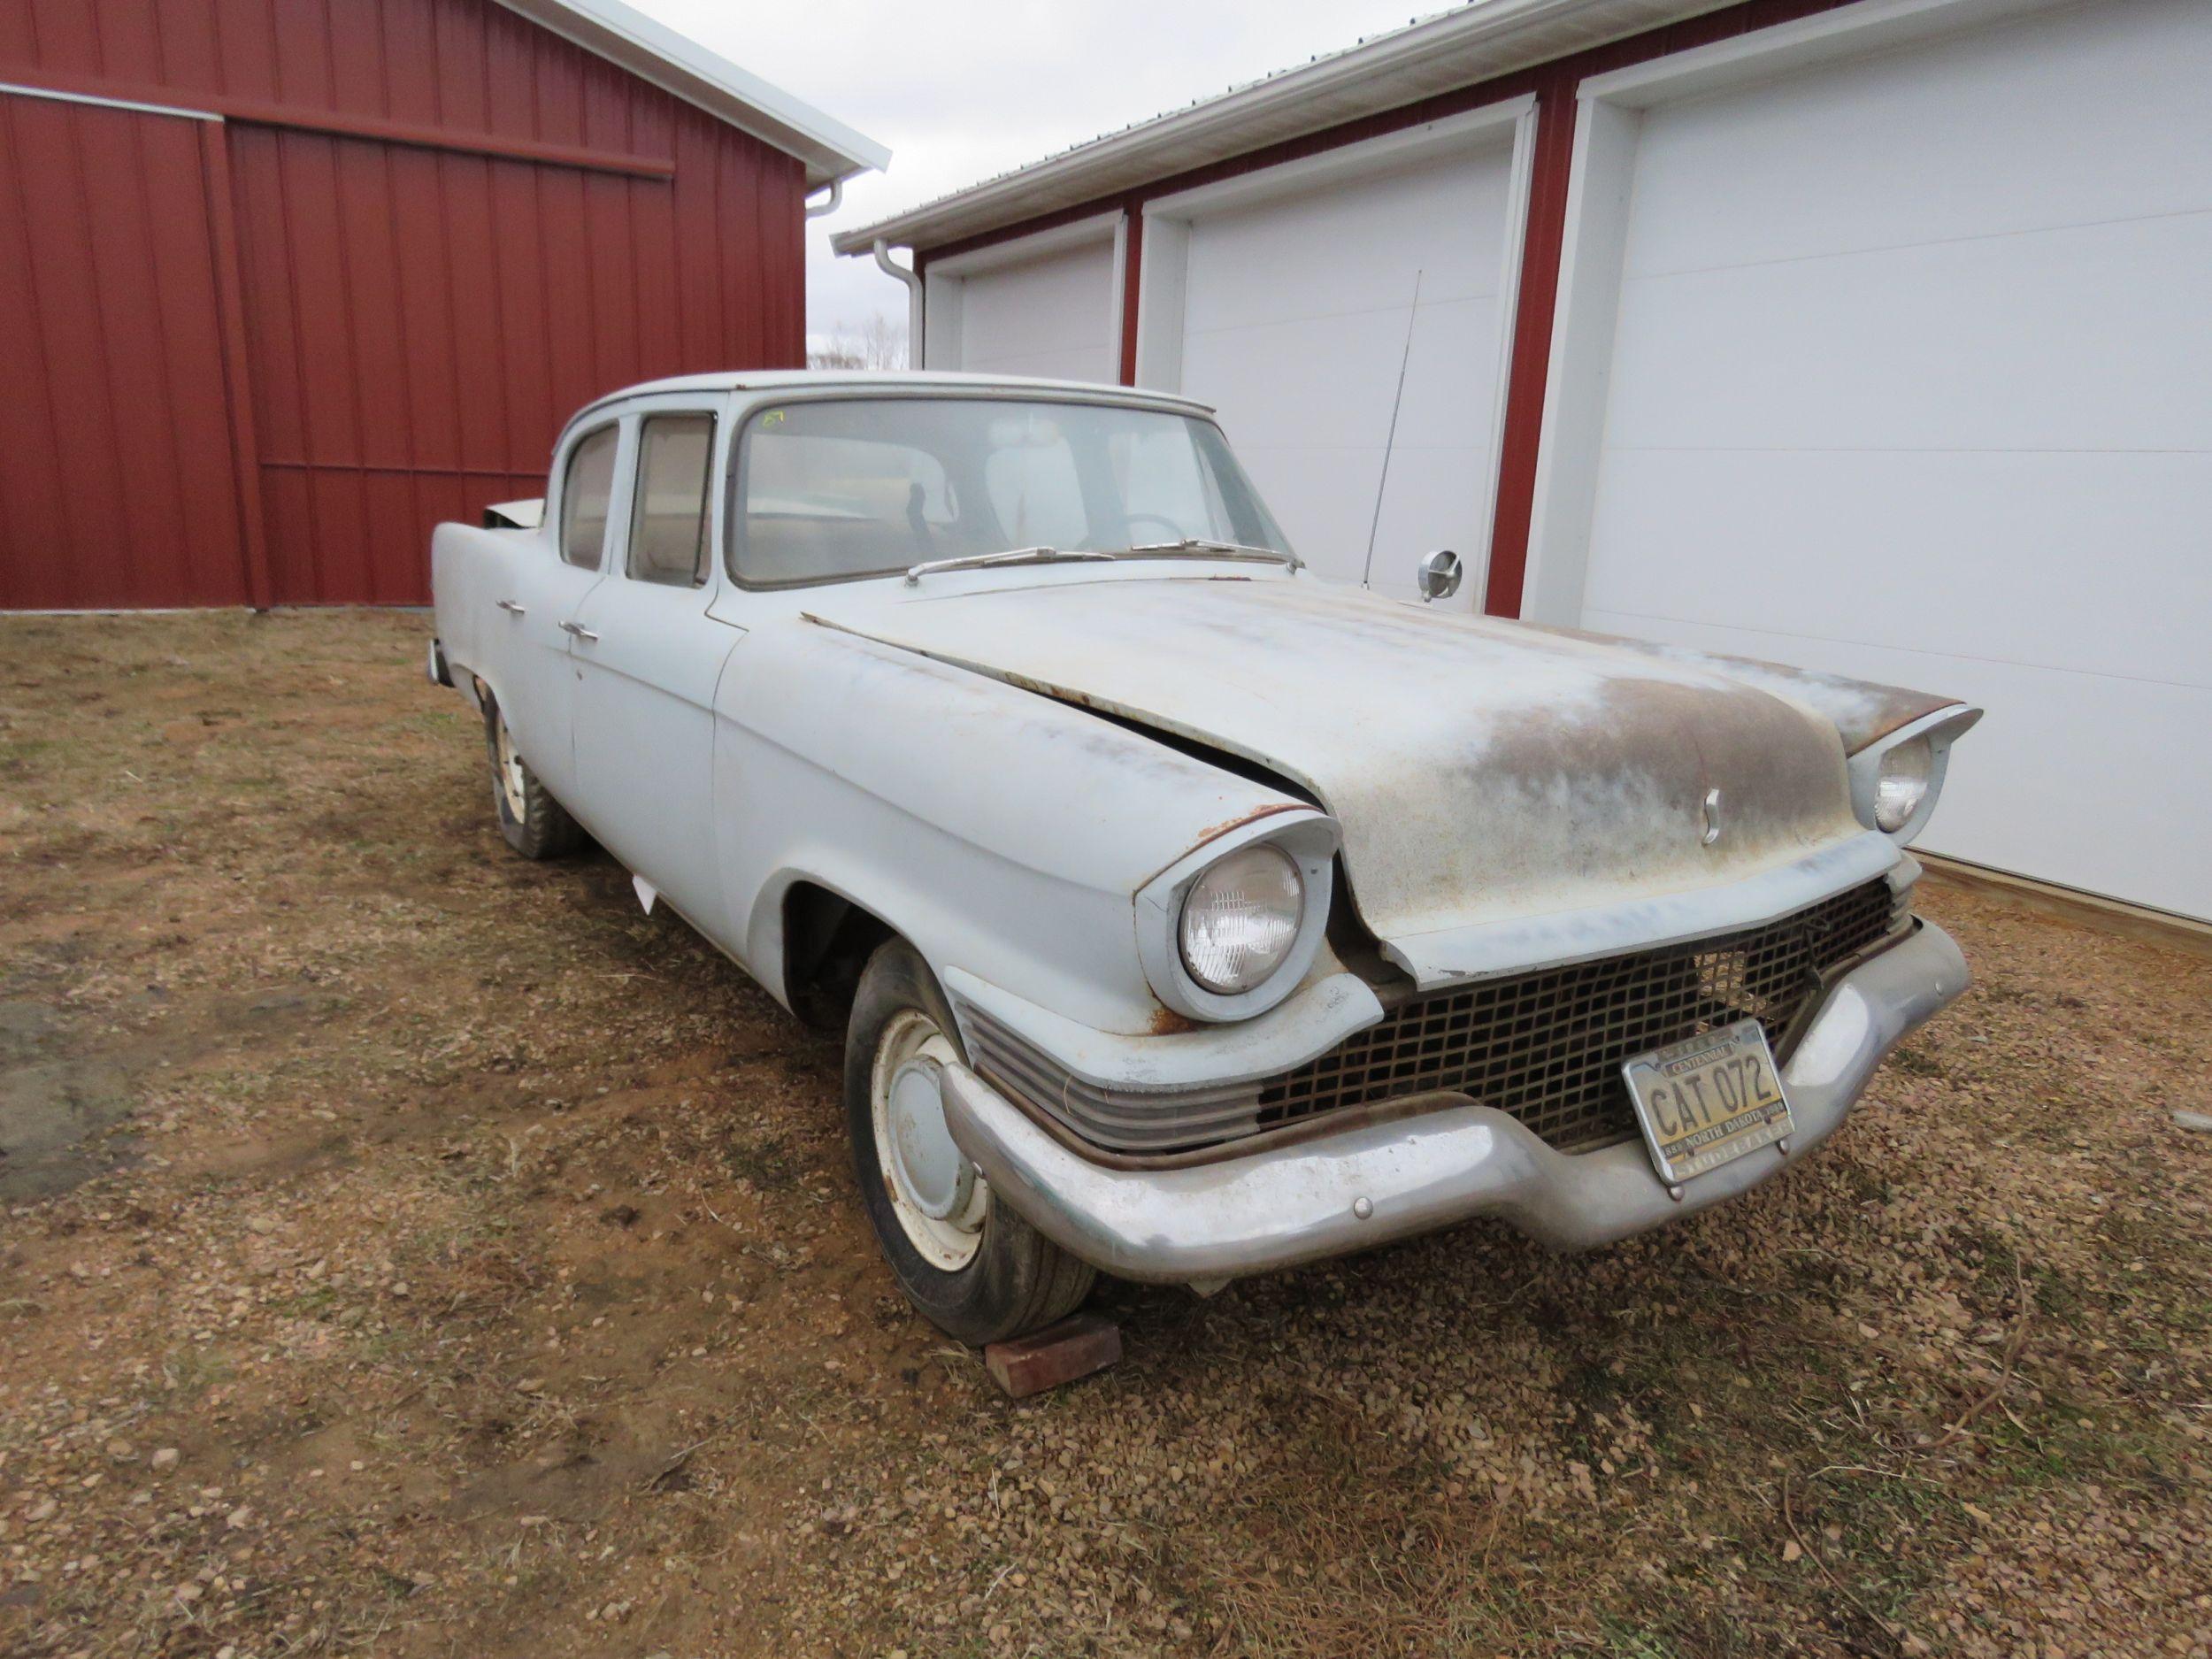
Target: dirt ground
[{"x": 407, "y": 1249}]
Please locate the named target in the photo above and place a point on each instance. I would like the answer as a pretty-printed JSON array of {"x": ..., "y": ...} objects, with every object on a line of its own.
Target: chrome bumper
[{"x": 1370, "y": 1185}]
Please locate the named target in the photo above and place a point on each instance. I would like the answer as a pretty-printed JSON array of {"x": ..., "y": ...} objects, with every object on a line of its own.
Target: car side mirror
[{"x": 1439, "y": 575}]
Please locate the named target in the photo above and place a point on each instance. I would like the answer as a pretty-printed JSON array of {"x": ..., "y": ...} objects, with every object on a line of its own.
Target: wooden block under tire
[{"x": 1076, "y": 1347}]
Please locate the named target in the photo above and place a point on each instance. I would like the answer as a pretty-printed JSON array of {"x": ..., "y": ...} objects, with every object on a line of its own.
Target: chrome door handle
[
  {"x": 579, "y": 631},
  {"x": 509, "y": 604}
]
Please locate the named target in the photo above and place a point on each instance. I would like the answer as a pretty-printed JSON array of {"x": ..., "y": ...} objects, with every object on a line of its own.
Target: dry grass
[{"x": 484, "y": 1252}]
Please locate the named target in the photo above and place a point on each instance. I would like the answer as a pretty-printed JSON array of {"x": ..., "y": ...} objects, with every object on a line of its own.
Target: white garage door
[
  {"x": 1295, "y": 318},
  {"x": 1050, "y": 312},
  {"x": 1912, "y": 380}
]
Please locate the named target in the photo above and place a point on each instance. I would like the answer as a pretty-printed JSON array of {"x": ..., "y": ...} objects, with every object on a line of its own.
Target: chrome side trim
[{"x": 1376, "y": 1182}]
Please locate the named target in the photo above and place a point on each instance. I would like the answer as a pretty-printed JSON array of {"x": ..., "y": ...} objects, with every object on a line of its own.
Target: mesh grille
[{"x": 1548, "y": 1047}]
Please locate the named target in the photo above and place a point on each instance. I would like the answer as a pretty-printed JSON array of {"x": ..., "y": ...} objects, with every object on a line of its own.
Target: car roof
[{"x": 897, "y": 381}]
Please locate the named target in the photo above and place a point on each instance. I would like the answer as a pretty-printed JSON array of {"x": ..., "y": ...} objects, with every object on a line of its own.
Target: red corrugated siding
[{"x": 409, "y": 326}]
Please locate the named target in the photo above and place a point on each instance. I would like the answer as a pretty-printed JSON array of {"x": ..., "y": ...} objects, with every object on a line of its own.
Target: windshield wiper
[
  {"x": 1206, "y": 548},
  {"x": 1189, "y": 547},
  {"x": 1015, "y": 556}
]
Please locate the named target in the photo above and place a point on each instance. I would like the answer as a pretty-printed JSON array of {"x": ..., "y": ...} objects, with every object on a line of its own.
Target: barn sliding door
[{"x": 116, "y": 480}]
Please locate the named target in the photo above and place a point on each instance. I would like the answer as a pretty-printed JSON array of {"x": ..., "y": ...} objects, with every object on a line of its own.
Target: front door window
[{"x": 668, "y": 514}]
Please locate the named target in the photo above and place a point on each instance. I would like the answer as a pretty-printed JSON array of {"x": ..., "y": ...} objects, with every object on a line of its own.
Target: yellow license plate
[{"x": 1708, "y": 1099}]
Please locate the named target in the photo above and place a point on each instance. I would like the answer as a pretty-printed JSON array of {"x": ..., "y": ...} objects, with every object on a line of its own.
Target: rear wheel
[
  {"x": 974, "y": 1267},
  {"x": 536, "y": 824}
]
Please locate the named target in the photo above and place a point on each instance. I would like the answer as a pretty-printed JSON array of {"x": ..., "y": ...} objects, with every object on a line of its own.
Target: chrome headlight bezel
[
  {"x": 1309, "y": 841},
  {"x": 1936, "y": 732}
]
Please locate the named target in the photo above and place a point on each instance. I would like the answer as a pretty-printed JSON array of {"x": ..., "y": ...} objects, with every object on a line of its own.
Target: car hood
[{"x": 1482, "y": 772}]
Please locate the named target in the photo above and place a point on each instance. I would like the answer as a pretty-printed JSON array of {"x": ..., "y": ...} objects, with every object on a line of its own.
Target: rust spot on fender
[
  {"x": 1214, "y": 832},
  {"x": 1045, "y": 688},
  {"x": 1167, "y": 1023}
]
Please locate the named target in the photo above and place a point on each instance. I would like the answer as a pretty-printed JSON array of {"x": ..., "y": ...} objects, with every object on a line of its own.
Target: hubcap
[
  {"x": 936, "y": 1193},
  {"x": 508, "y": 768}
]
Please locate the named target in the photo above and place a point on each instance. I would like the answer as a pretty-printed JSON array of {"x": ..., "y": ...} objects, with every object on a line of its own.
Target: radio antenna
[{"x": 1391, "y": 442}]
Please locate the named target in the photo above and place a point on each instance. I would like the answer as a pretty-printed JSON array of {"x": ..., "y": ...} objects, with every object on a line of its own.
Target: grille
[
  {"x": 1126, "y": 1120},
  {"x": 1548, "y": 1047}
]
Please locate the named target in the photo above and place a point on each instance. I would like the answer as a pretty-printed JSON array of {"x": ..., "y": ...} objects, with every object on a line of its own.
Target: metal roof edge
[
  {"x": 1519, "y": 33},
  {"x": 681, "y": 67}
]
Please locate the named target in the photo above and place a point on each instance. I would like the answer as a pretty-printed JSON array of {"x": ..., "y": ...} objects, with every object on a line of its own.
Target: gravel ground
[{"x": 405, "y": 1249}]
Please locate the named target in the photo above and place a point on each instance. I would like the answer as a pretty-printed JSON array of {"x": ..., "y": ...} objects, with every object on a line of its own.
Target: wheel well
[{"x": 827, "y": 940}]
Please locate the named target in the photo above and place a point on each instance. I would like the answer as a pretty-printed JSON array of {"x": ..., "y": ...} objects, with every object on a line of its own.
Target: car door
[
  {"x": 648, "y": 655},
  {"x": 548, "y": 579}
]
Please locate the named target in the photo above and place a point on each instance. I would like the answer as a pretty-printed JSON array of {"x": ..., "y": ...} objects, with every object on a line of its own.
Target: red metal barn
[{"x": 285, "y": 283}]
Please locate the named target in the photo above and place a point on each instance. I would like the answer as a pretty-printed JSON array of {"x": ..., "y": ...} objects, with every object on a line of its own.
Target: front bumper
[{"x": 1379, "y": 1181}]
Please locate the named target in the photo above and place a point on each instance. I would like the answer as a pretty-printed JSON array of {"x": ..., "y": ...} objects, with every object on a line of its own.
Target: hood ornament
[{"x": 1711, "y": 818}]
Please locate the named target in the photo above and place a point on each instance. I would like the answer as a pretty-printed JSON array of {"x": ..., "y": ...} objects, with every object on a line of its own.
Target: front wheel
[{"x": 976, "y": 1268}]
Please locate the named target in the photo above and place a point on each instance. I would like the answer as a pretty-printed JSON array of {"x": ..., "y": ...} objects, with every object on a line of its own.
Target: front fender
[
  {"x": 1003, "y": 833},
  {"x": 1862, "y": 712}
]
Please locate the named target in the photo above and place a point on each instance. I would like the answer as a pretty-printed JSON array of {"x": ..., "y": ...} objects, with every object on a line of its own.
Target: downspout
[
  {"x": 829, "y": 203},
  {"x": 913, "y": 301}
]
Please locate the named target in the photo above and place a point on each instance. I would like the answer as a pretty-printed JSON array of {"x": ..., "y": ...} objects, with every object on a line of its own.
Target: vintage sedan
[{"x": 1187, "y": 916}]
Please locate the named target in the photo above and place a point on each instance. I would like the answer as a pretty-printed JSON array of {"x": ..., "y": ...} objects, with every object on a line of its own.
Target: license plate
[{"x": 1708, "y": 1099}]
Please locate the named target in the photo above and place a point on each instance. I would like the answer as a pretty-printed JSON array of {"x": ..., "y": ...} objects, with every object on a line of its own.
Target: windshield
[{"x": 832, "y": 489}]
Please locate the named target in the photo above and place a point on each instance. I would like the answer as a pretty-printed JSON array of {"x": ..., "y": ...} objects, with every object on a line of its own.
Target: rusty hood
[{"x": 1484, "y": 773}]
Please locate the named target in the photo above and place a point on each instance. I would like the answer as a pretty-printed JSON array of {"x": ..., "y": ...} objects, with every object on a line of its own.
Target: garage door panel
[
  {"x": 1264, "y": 378},
  {"x": 1429, "y": 488},
  {"x": 1923, "y": 347},
  {"x": 1988, "y": 555},
  {"x": 1972, "y": 452},
  {"x": 1067, "y": 363},
  {"x": 1329, "y": 494},
  {"x": 1322, "y": 495},
  {"x": 1450, "y": 375},
  {"x": 1261, "y": 380},
  {"x": 2052, "y": 782},
  {"x": 1850, "y": 161},
  {"x": 1296, "y": 313},
  {"x": 1350, "y": 249},
  {"x": 1050, "y": 316}
]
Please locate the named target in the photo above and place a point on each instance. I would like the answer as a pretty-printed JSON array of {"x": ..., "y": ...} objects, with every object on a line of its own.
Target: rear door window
[{"x": 585, "y": 491}]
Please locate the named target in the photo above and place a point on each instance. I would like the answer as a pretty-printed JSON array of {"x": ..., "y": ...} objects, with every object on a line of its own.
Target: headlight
[
  {"x": 1241, "y": 920},
  {"x": 1902, "y": 784}
]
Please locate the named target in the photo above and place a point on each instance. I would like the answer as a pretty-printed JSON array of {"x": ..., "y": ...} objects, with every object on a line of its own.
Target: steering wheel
[{"x": 917, "y": 523}]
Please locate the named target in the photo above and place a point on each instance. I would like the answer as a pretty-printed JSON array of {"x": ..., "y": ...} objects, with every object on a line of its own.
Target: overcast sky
[{"x": 961, "y": 89}]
